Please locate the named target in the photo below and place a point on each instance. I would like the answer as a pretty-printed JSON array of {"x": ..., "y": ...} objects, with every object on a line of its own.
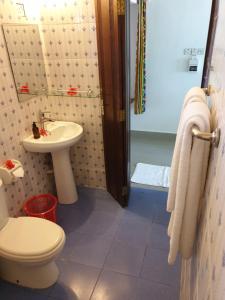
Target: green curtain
[{"x": 139, "y": 100}]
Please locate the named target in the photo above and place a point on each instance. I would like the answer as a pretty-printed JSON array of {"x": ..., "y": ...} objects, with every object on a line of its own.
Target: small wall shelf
[{"x": 64, "y": 93}]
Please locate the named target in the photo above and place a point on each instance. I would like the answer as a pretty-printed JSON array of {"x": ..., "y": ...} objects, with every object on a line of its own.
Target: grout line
[
  {"x": 102, "y": 269},
  {"x": 97, "y": 280},
  {"x": 142, "y": 263},
  {"x": 100, "y": 273}
]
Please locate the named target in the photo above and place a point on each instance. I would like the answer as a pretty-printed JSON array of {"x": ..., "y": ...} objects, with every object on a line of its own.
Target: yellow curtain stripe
[{"x": 140, "y": 60}]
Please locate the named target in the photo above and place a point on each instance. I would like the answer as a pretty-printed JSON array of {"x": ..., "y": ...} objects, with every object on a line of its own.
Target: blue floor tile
[
  {"x": 145, "y": 201},
  {"x": 153, "y": 291},
  {"x": 33, "y": 295},
  {"x": 156, "y": 269},
  {"x": 10, "y": 291},
  {"x": 158, "y": 237},
  {"x": 115, "y": 286},
  {"x": 97, "y": 199},
  {"x": 76, "y": 281},
  {"x": 125, "y": 259},
  {"x": 86, "y": 249},
  {"x": 71, "y": 218},
  {"x": 133, "y": 231},
  {"x": 101, "y": 224},
  {"x": 161, "y": 216}
]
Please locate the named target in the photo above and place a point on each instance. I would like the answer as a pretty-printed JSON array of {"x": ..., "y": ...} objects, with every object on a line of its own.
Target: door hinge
[
  {"x": 124, "y": 190},
  {"x": 121, "y": 7},
  {"x": 122, "y": 115}
]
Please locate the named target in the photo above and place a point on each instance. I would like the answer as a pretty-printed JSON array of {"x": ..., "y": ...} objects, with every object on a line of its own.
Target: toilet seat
[{"x": 30, "y": 239}]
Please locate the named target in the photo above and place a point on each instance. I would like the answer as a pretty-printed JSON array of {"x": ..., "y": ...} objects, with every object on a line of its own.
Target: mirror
[
  {"x": 33, "y": 72},
  {"x": 26, "y": 58}
]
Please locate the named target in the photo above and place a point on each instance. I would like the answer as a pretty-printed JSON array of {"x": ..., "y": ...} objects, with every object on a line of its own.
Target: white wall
[{"x": 171, "y": 26}]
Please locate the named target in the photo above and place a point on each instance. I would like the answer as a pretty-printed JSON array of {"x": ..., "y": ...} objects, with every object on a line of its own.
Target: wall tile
[{"x": 70, "y": 60}]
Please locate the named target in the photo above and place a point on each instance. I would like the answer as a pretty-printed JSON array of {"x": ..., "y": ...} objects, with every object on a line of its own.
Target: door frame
[
  {"x": 210, "y": 42},
  {"x": 128, "y": 97}
]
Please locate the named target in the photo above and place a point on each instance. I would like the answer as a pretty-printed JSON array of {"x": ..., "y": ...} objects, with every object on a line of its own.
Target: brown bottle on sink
[{"x": 35, "y": 130}]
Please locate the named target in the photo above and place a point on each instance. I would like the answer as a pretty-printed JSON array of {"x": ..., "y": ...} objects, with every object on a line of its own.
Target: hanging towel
[
  {"x": 139, "y": 100},
  {"x": 195, "y": 94},
  {"x": 187, "y": 179}
]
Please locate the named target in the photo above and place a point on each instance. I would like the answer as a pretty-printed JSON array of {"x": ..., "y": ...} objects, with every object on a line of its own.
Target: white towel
[
  {"x": 195, "y": 94},
  {"x": 187, "y": 179}
]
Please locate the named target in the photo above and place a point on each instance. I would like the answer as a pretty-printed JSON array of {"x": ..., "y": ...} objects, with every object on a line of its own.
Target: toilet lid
[{"x": 28, "y": 236}]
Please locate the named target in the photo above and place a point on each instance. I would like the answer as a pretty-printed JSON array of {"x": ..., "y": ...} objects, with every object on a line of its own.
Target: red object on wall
[
  {"x": 24, "y": 89},
  {"x": 72, "y": 91},
  {"x": 9, "y": 164}
]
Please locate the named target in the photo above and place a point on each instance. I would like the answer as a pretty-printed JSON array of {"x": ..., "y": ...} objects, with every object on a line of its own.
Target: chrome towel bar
[{"x": 213, "y": 138}]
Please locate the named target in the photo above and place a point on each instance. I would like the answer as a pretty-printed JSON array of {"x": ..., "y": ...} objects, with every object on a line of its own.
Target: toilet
[{"x": 28, "y": 248}]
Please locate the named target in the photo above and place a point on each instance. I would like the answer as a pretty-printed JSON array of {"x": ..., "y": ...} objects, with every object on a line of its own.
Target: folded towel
[{"x": 187, "y": 179}]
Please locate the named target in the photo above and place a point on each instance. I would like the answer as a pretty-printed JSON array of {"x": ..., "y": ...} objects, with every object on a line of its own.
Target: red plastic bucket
[{"x": 41, "y": 206}]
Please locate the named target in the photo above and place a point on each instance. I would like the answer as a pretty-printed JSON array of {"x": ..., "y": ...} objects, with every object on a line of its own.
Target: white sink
[{"x": 61, "y": 136}]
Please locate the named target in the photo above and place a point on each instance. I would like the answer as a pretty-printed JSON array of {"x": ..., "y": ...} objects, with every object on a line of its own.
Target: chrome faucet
[{"x": 43, "y": 118}]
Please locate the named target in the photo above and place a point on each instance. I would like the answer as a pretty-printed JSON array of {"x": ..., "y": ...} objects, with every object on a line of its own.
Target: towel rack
[{"x": 213, "y": 138}]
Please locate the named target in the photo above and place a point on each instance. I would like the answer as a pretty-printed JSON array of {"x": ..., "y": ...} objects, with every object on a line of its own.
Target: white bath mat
[{"x": 151, "y": 175}]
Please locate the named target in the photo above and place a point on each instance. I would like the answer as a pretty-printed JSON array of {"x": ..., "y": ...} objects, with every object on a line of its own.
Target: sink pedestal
[
  {"x": 64, "y": 178},
  {"x": 61, "y": 137}
]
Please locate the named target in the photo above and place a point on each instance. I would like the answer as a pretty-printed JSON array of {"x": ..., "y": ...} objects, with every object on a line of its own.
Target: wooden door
[{"x": 111, "y": 54}]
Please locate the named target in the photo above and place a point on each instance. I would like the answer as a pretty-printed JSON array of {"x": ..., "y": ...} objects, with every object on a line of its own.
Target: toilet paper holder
[{"x": 9, "y": 176}]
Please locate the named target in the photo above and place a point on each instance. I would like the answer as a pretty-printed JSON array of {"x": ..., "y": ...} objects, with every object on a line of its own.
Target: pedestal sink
[{"x": 61, "y": 136}]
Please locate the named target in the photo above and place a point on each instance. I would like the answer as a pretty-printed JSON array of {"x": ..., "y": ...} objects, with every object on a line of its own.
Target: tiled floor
[
  {"x": 151, "y": 148},
  {"x": 111, "y": 253}
]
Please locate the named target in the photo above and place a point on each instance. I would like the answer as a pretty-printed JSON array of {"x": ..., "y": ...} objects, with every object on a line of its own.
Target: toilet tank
[{"x": 4, "y": 214}]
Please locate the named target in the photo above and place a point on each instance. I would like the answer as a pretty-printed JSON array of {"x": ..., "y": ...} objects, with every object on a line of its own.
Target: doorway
[
  {"x": 175, "y": 46},
  {"x": 175, "y": 56}
]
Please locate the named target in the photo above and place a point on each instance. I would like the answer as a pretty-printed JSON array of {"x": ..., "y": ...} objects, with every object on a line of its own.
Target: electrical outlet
[{"x": 20, "y": 9}]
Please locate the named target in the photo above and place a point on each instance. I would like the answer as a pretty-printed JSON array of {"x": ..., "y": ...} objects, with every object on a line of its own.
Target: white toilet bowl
[{"x": 28, "y": 248}]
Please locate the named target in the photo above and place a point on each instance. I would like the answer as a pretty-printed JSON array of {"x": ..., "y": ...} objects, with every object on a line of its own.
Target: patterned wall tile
[{"x": 67, "y": 64}]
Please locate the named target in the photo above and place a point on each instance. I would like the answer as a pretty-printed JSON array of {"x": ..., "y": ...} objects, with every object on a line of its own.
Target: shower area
[{"x": 167, "y": 52}]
